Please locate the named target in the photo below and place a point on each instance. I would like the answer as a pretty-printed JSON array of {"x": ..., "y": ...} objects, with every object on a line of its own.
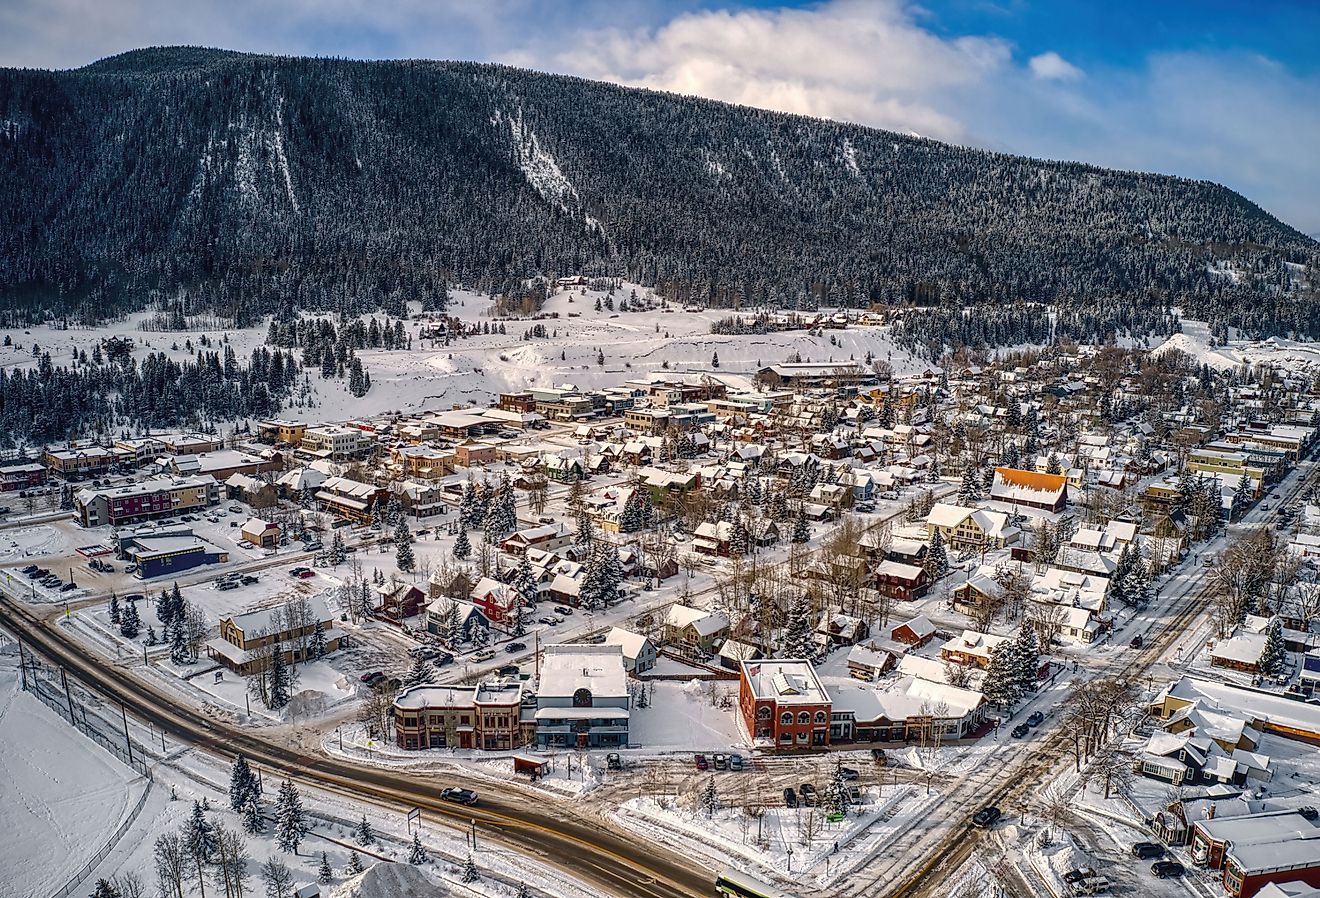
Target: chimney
[{"x": 1210, "y": 813}]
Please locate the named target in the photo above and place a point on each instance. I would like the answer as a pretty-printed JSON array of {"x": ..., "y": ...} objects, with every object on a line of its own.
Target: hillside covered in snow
[{"x": 238, "y": 184}]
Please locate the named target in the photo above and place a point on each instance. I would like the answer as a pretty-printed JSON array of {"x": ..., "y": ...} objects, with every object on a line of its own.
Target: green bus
[{"x": 733, "y": 884}]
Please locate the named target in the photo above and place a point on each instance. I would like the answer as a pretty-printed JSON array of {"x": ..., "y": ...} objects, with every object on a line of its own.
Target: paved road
[{"x": 625, "y": 867}]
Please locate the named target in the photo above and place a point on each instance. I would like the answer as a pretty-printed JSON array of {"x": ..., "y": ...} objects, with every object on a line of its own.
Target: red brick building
[{"x": 783, "y": 704}]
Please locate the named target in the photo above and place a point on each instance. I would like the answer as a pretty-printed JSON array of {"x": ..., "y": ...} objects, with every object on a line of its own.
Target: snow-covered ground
[{"x": 62, "y": 795}]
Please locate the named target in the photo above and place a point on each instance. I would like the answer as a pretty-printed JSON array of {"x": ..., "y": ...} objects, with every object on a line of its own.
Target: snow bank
[{"x": 389, "y": 880}]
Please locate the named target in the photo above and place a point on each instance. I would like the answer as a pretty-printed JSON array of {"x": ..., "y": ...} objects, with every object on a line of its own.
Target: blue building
[{"x": 157, "y": 556}]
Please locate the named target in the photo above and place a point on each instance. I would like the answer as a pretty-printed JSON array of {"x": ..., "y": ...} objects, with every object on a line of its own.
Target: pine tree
[
  {"x": 290, "y": 818},
  {"x": 1002, "y": 684},
  {"x": 199, "y": 835},
  {"x": 420, "y": 672},
  {"x": 937, "y": 559},
  {"x": 801, "y": 529},
  {"x": 179, "y": 651},
  {"x": 480, "y": 637},
  {"x": 417, "y": 854},
  {"x": 364, "y": 834},
  {"x": 524, "y": 581},
  {"x": 152, "y": 638},
  {"x": 131, "y": 624},
  {"x": 337, "y": 549},
  {"x": 324, "y": 874},
  {"x": 403, "y": 548},
  {"x": 1273, "y": 654},
  {"x": 523, "y": 891},
  {"x": 115, "y": 617},
  {"x": 715, "y": 360},
  {"x": 462, "y": 548},
  {"x": 970, "y": 491},
  {"x": 710, "y": 798},
  {"x": 105, "y": 889},
  {"x": 354, "y": 863},
  {"x": 254, "y": 819},
  {"x": 316, "y": 649},
  {"x": 1026, "y": 659},
  {"x": 242, "y": 784},
  {"x": 518, "y": 618},
  {"x": 799, "y": 632},
  {"x": 164, "y": 608},
  {"x": 1053, "y": 465},
  {"x": 838, "y": 793},
  {"x": 1242, "y": 495},
  {"x": 277, "y": 693}
]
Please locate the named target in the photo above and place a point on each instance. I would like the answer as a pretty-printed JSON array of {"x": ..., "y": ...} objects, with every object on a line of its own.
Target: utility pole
[
  {"x": 64, "y": 676},
  {"x": 128, "y": 743},
  {"x": 22, "y": 665}
]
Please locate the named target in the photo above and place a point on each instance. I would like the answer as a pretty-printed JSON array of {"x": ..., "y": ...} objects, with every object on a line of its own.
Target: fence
[
  {"x": 72, "y": 885},
  {"x": 39, "y": 680}
]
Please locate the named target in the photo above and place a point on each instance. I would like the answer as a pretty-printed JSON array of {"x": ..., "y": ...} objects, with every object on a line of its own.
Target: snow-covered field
[{"x": 62, "y": 795}]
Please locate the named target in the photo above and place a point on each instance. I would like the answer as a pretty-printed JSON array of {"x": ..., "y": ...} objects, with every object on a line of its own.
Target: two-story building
[
  {"x": 784, "y": 704},
  {"x": 486, "y": 716},
  {"x": 582, "y": 697},
  {"x": 971, "y": 529},
  {"x": 692, "y": 631},
  {"x": 148, "y": 500},
  {"x": 244, "y": 639}
]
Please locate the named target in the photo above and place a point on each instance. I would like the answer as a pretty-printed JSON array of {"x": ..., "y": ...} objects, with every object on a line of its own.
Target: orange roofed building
[{"x": 1032, "y": 489}]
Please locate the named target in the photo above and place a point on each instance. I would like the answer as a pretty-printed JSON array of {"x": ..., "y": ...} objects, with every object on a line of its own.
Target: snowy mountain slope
[{"x": 241, "y": 183}]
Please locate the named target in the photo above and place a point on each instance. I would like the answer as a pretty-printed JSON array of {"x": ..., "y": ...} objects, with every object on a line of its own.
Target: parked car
[
  {"x": 68, "y": 586},
  {"x": 248, "y": 579},
  {"x": 1091, "y": 885},
  {"x": 735, "y": 762},
  {"x": 848, "y": 773},
  {"x": 226, "y": 585},
  {"x": 305, "y": 573},
  {"x": 1035, "y": 719},
  {"x": 510, "y": 670},
  {"x": 1137, "y": 642},
  {"x": 986, "y": 817},
  {"x": 700, "y": 761},
  {"x": 372, "y": 677},
  {"x": 483, "y": 655},
  {"x": 564, "y": 610},
  {"x": 790, "y": 798},
  {"x": 1165, "y": 869},
  {"x": 30, "y": 569},
  {"x": 298, "y": 571},
  {"x": 1077, "y": 875},
  {"x": 721, "y": 762},
  {"x": 1020, "y": 731},
  {"x": 807, "y": 792},
  {"x": 547, "y": 621},
  {"x": 514, "y": 647},
  {"x": 1147, "y": 850},
  {"x": 460, "y": 796}
]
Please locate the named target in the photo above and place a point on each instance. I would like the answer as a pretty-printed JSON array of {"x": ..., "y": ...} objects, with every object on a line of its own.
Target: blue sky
[{"x": 1228, "y": 91}]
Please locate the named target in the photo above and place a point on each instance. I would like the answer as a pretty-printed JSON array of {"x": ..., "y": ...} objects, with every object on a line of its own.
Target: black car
[
  {"x": 1036, "y": 719},
  {"x": 1073, "y": 876},
  {"x": 459, "y": 796},
  {"x": 848, "y": 773},
  {"x": 509, "y": 670},
  {"x": 1147, "y": 850},
  {"x": 29, "y": 569},
  {"x": 1020, "y": 731},
  {"x": 790, "y": 798},
  {"x": 1165, "y": 869},
  {"x": 808, "y": 793},
  {"x": 515, "y": 647},
  {"x": 986, "y": 817}
]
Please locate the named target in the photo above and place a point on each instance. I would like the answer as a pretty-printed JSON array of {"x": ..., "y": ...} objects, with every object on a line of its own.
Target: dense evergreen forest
[{"x": 236, "y": 185}]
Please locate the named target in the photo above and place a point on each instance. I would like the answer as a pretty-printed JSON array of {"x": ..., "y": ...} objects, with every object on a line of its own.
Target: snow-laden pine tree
[
  {"x": 969, "y": 493},
  {"x": 937, "y": 558},
  {"x": 354, "y": 863},
  {"x": 199, "y": 835},
  {"x": 420, "y": 672},
  {"x": 462, "y": 547},
  {"x": 324, "y": 875},
  {"x": 278, "y": 679},
  {"x": 1274, "y": 653},
  {"x": 254, "y": 818},
  {"x": 131, "y": 624},
  {"x": 710, "y": 798},
  {"x": 837, "y": 795},
  {"x": 364, "y": 834},
  {"x": 291, "y": 822},
  {"x": 799, "y": 631},
  {"x": 417, "y": 853},
  {"x": 801, "y": 529},
  {"x": 403, "y": 549},
  {"x": 242, "y": 783}
]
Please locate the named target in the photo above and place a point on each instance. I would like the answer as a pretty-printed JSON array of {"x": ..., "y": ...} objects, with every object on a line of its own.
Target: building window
[
  {"x": 804, "y": 717},
  {"x": 802, "y": 738},
  {"x": 763, "y": 713},
  {"x": 785, "y": 737},
  {"x": 786, "y": 718},
  {"x": 820, "y": 717}
]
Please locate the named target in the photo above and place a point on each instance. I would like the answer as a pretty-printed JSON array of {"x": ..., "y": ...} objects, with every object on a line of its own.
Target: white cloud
[
  {"x": 1051, "y": 66},
  {"x": 861, "y": 62}
]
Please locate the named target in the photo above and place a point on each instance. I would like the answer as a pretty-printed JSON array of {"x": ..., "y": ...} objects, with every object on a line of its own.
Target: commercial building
[
  {"x": 582, "y": 700},
  {"x": 486, "y": 716},
  {"x": 334, "y": 442},
  {"x": 784, "y": 704},
  {"x": 151, "y": 499},
  {"x": 21, "y": 477},
  {"x": 244, "y": 639},
  {"x": 158, "y": 556}
]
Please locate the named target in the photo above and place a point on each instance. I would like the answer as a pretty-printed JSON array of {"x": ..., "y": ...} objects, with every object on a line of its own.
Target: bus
[{"x": 732, "y": 884}]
